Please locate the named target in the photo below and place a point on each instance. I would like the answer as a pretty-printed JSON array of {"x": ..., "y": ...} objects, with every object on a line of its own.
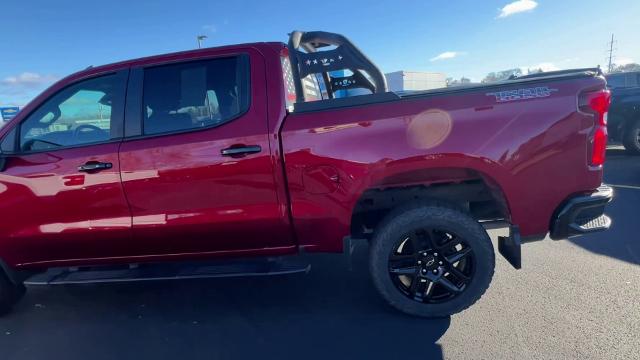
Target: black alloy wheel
[
  {"x": 431, "y": 265},
  {"x": 431, "y": 259}
]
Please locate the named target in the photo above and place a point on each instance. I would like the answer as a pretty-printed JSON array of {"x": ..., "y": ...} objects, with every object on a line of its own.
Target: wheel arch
[
  {"x": 467, "y": 189},
  {"x": 11, "y": 274}
]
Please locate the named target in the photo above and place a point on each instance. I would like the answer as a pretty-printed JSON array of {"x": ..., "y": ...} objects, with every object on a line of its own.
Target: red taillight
[
  {"x": 597, "y": 103},
  {"x": 599, "y": 146}
]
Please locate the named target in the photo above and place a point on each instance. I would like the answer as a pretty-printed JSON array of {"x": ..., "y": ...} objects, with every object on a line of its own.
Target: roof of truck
[
  {"x": 155, "y": 59},
  {"x": 174, "y": 56}
]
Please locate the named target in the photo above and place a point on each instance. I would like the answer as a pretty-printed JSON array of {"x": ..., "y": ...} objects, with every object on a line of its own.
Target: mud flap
[
  {"x": 348, "y": 247},
  {"x": 509, "y": 247}
]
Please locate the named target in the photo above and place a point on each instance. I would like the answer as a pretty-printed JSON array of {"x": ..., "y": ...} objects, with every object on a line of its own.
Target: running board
[{"x": 170, "y": 271}]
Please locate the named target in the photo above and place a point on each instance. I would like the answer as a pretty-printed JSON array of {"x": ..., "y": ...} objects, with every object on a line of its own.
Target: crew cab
[
  {"x": 233, "y": 160},
  {"x": 624, "y": 117}
]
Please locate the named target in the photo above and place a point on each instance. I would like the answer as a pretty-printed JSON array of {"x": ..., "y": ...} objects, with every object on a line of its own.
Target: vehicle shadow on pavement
[
  {"x": 621, "y": 240},
  {"x": 329, "y": 313}
]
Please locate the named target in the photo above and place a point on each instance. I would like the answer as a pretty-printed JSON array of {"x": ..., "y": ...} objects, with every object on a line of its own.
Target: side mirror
[
  {"x": 3, "y": 161},
  {"x": 7, "y": 147}
]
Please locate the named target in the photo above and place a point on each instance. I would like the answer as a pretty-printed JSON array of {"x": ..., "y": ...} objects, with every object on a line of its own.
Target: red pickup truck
[{"x": 230, "y": 161}]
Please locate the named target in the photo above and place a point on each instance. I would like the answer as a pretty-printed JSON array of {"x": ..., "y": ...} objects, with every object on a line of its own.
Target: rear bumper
[{"x": 582, "y": 214}]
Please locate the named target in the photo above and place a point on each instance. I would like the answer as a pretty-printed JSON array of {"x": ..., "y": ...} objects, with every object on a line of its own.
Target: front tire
[
  {"x": 431, "y": 260},
  {"x": 631, "y": 138},
  {"x": 10, "y": 294}
]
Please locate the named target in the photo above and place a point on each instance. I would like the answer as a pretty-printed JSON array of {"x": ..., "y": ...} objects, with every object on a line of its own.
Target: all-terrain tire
[
  {"x": 410, "y": 218},
  {"x": 10, "y": 294},
  {"x": 631, "y": 138}
]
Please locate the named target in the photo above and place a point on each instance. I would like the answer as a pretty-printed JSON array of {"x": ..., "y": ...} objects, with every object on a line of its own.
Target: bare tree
[
  {"x": 625, "y": 68},
  {"x": 456, "y": 82},
  {"x": 501, "y": 75}
]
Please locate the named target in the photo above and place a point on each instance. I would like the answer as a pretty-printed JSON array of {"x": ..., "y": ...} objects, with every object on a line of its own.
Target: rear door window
[{"x": 194, "y": 95}]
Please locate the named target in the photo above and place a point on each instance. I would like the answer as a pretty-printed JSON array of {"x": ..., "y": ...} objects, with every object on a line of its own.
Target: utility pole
[
  {"x": 611, "y": 55},
  {"x": 200, "y": 39}
]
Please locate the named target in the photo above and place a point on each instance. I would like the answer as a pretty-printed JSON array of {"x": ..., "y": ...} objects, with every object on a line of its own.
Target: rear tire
[
  {"x": 10, "y": 294},
  {"x": 631, "y": 138},
  {"x": 431, "y": 260}
]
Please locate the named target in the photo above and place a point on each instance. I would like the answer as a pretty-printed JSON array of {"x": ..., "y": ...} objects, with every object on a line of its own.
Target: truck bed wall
[{"x": 535, "y": 150}]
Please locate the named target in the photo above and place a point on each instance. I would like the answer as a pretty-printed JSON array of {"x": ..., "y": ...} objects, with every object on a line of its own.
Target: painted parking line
[{"x": 625, "y": 186}]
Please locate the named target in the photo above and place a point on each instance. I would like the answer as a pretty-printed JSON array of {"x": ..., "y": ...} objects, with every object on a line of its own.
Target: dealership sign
[{"x": 8, "y": 113}]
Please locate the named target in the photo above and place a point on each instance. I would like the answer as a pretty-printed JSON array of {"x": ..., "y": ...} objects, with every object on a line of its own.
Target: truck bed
[
  {"x": 527, "y": 80},
  {"x": 533, "y": 149}
]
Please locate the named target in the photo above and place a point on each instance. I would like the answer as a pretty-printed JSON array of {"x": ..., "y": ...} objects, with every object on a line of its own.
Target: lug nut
[
  {"x": 424, "y": 271},
  {"x": 435, "y": 254},
  {"x": 419, "y": 262},
  {"x": 440, "y": 262},
  {"x": 435, "y": 271}
]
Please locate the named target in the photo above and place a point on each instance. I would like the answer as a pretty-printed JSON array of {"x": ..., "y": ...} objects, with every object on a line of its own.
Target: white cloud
[
  {"x": 623, "y": 61},
  {"x": 517, "y": 7},
  {"x": 447, "y": 55},
  {"x": 570, "y": 60},
  {"x": 29, "y": 79},
  {"x": 210, "y": 28},
  {"x": 545, "y": 66},
  {"x": 19, "y": 89}
]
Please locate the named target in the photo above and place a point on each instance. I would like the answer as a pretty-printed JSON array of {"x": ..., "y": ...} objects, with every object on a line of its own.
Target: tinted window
[
  {"x": 616, "y": 81},
  {"x": 80, "y": 114},
  {"x": 195, "y": 95}
]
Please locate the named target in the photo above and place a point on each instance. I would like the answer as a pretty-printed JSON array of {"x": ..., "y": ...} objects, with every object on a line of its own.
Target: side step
[{"x": 169, "y": 271}]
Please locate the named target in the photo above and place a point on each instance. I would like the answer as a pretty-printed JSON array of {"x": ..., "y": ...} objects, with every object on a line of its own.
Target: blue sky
[{"x": 43, "y": 40}]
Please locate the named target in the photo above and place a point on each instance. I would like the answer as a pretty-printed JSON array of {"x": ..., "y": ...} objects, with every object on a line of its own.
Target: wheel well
[
  {"x": 12, "y": 275},
  {"x": 477, "y": 197}
]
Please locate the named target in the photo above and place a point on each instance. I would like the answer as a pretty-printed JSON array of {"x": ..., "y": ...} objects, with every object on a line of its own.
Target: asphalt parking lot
[{"x": 575, "y": 299}]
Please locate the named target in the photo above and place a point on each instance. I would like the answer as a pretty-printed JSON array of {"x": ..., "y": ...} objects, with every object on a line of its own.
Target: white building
[{"x": 415, "y": 80}]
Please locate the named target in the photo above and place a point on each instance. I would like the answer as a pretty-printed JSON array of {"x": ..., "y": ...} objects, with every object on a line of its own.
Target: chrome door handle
[
  {"x": 241, "y": 150},
  {"x": 95, "y": 166}
]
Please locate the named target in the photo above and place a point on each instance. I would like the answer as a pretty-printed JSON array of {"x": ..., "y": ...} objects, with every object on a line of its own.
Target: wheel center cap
[{"x": 429, "y": 261}]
